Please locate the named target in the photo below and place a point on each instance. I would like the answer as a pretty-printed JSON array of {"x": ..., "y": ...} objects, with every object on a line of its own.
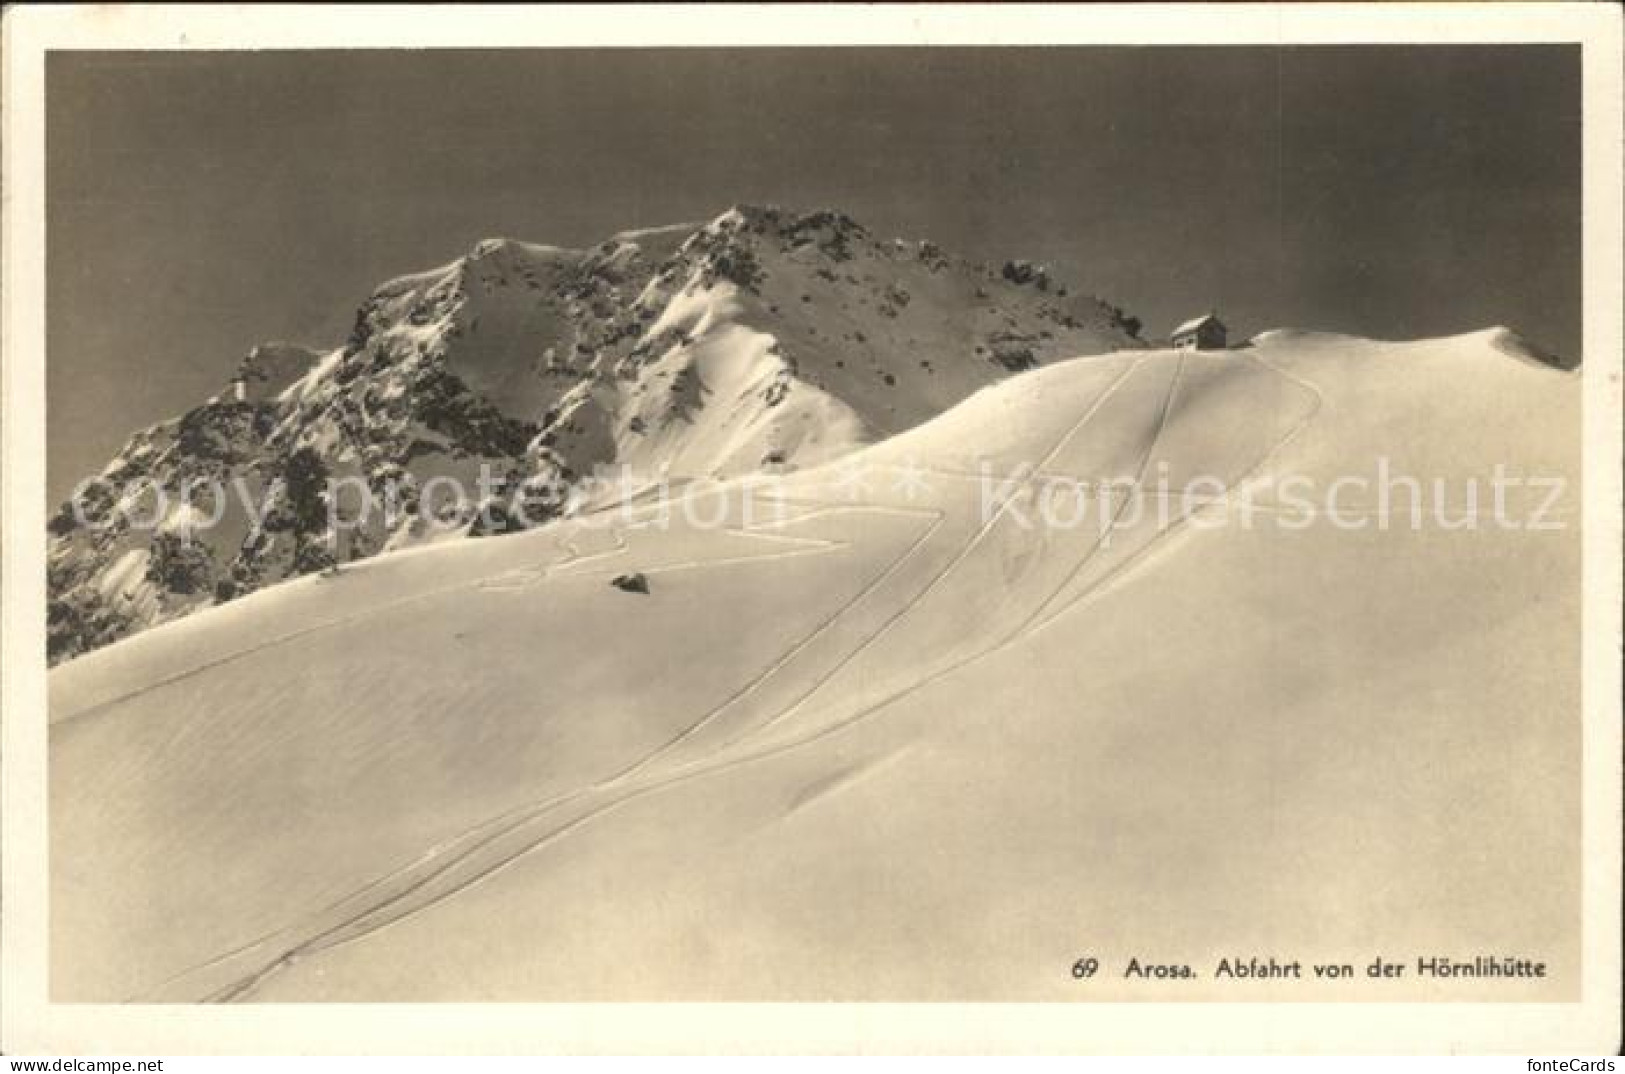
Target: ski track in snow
[
  {"x": 501, "y": 580},
  {"x": 970, "y": 547},
  {"x": 336, "y": 935},
  {"x": 1139, "y": 476},
  {"x": 389, "y": 907},
  {"x": 411, "y": 889},
  {"x": 522, "y": 814},
  {"x": 750, "y": 687}
]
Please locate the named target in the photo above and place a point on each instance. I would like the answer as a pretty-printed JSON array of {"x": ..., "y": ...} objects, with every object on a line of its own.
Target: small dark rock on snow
[{"x": 631, "y": 583}]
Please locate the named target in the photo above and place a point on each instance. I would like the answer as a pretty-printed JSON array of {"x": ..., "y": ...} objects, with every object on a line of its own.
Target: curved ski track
[{"x": 486, "y": 850}]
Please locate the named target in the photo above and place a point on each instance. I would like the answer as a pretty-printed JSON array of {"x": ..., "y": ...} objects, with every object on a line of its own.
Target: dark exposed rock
[
  {"x": 631, "y": 583},
  {"x": 1022, "y": 273},
  {"x": 1013, "y": 352},
  {"x": 179, "y": 565}
]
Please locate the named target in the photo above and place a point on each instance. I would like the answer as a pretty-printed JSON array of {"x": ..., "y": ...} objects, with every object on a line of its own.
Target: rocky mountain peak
[{"x": 762, "y": 338}]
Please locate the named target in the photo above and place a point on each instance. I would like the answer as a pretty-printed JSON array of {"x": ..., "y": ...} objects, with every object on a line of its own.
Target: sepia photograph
[{"x": 1114, "y": 514}]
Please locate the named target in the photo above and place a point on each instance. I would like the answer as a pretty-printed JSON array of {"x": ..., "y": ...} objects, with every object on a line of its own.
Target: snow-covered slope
[
  {"x": 761, "y": 339},
  {"x": 887, "y": 734}
]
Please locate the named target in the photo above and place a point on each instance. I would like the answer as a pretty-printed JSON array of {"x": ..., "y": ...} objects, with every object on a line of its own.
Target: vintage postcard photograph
[{"x": 571, "y": 523}]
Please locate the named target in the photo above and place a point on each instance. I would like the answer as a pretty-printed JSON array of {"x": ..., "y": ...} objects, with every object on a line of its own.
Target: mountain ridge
[{"x": 763, "y": 338}]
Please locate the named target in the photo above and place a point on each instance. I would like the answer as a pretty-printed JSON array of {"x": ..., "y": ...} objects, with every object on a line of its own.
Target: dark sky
[{"x": 201, "y": 202}]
